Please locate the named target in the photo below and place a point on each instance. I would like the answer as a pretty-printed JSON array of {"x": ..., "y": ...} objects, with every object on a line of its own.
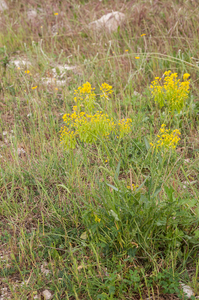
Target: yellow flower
[
  {"x": 56, "y": 14},
  {"x": 106, "y": 90},
  {"x": 186, "y": 76},
  {"x": 86, "y": 126},
  {"x": 97, "y": 219},
  {"x": 34, "y": 87},
  {"x": 167, "y": 139},
  {"x": 27, "y": 72},
  {"x": 172, "y": 92},
  {"x": 143, "y": 34},
  {"x": 85, "y": 96},
  {"x": 133, "y": 187},
  {"x": 126, "y": 50},
  {"x": 137, "y": 57}
]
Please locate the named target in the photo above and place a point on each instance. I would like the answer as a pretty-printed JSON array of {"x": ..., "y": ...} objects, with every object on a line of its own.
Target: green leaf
[
  {"x": 111, "y": 289},
  {"x": 157, "y": 191},
  {"x": 114, "y": 215},
  {"x": 196, "y": 233},
  {"x": 197, "y": 211},
  {"x": 112, "y": 186},
  {"x": 190, "y": 202},
  {"x": 2, "y": 49},
  {"x": 62, "y": 185},
  {"x": 117, "y": 170},
  {"x": 142, "y": 184},
  {"x": 146, "y": 143},
  {"x": 83, "y": 236}
]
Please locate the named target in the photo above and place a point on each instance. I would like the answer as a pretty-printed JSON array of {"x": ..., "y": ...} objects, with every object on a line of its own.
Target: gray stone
[
  {"x": 47, "y": 295},
  {"x": 31, "y": 14},
  {"x": 187, "y": 290},
  {"x": 109, "y": 22},
  {"x": 3, "y": 5},
  {"x": 20, "y": 63}
]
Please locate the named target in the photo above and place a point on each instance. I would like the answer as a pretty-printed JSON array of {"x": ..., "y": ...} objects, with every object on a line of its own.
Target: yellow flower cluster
[
  {"x": 166, "y": 138},
  {"x": 86, "y": 126},
  {"x": 85, "y": 96},
  {"x": 124, "y": 126},
  {"x": 97, "y": 219},
  {"x": 173, "y": 92},
  {"x": 106, "y": 90},
  {"x": 133, "y": 187}
]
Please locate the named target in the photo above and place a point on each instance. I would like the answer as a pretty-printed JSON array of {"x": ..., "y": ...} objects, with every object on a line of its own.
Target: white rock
[
  {"x": 53, "y": 82},
  {"x": 109, "y": 22},
  {"x": 4, "y": 294},
  {"x": 56, "y": 27},
  {"x": 136, "y": 93},
  {"x": 185, "y": 185},
  {"x": 58, "y": 75},
  {"x": 187, "y": 290},
  {"x": 3, "y": 258},
  {"x": 24, "y": 282},
  {"x": 54, "y": 30},
  {"x": 21, "y": 151},
  {"x": 187, "y": 160},
  {"x": 20, "y": 63},
  {"x": 3, "y": 5},
  {"x": 47, "y": 295},
  {"x": 31, "y": 14},
  {"x": 44, "y": 270},
  {"x": 62, "y": 70}
]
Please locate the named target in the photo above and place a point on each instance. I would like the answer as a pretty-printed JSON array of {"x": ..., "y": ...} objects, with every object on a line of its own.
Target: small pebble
[
  {"x": 187, "y": 290},
  {"x": 47, "y": 295}
]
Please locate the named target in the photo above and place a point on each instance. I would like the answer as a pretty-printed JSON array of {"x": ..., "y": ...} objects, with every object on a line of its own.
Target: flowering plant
[
  {"x": 167, "y": 139},
  {"x": 173, "y": 92},
  {"x": 88, "y": 126}
]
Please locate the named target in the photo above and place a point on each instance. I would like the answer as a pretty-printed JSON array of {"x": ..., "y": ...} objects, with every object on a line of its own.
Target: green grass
[{"x": 51, "y": 198}]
